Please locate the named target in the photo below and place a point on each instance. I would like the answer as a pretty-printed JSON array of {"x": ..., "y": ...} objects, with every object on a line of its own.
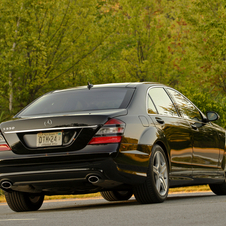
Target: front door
[
  {"x": 205, "y": 150},
  {"x": 205, "y": 155}
]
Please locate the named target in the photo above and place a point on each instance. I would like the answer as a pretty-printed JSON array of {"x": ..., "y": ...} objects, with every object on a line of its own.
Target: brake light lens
[
  {"x": 3, "y": 145},
  {"x": 111, "y": 132}
]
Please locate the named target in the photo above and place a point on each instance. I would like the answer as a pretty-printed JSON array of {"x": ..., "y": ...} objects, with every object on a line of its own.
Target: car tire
[
  {"x": 218, "y": 189},
  {"x": 19, "y": 201},
  {"x": 155, "y": 188},
  {"x": 116, "y": 195}
]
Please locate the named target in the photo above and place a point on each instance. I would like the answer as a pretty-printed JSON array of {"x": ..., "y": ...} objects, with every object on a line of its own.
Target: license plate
[{"x": 49, "y": 139}]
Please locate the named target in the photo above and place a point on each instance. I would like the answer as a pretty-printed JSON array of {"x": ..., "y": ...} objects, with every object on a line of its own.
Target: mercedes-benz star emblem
[{"x": 48, "y": 122}]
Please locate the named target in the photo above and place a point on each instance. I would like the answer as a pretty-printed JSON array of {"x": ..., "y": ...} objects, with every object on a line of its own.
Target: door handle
[
  {"x": 159, "y": 120},
  {"x": 193, "y": 126}
]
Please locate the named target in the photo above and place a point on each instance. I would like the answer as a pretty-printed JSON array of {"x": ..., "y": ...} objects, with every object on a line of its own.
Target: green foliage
[
  {"x": 43, "y": 42},
  {"x": 4, "y": 116},
  {"x": 46, "y": 45},
  {"x": 207, "y": 20}
]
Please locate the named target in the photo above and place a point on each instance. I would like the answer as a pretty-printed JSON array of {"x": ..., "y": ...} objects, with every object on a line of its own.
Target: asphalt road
[{"x": 179, "y": 209}]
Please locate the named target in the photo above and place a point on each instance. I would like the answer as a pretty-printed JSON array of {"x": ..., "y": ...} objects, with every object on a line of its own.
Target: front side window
[
  {"x": 162, "y": 102},
  {"x": 186, "y": 108}
]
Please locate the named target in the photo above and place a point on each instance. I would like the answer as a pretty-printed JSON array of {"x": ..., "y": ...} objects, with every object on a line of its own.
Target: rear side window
[
  {"x": 162, "y": 102},
  {"x": 79, "y": 100},
  {"x": 151, "y": 106}
]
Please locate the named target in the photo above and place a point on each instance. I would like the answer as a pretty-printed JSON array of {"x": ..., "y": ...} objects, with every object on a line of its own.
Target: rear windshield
[{"x": 79, "y": 100}]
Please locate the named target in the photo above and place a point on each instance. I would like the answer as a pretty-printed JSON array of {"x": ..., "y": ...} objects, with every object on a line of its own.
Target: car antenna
[{"x": 89, "y": 85}]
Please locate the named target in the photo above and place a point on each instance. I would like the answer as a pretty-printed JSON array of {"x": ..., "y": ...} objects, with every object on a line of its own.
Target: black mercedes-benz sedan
[{"x": 117, "y": 139}]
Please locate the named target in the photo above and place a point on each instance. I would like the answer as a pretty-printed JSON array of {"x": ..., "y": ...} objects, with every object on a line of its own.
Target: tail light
[
  {"x": 3, "y": 145},
  {"x": 111, "y": 132}
]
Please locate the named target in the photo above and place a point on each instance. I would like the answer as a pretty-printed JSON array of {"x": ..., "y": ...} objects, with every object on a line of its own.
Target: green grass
[
  {"x": 97, "y": 195},
  {"x": 190, "y": 189},
  {"x": 85, "y": 196}
]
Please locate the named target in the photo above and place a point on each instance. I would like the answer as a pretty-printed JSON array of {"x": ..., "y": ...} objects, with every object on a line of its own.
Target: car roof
[{"x": 112, "y": 85}]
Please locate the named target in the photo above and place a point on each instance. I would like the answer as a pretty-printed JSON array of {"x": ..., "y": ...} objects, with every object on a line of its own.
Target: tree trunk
[{"x": 11, "y": 73}]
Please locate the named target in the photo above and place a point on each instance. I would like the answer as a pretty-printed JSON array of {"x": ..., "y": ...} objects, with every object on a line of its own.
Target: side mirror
[{"x": 212, "y": 116}]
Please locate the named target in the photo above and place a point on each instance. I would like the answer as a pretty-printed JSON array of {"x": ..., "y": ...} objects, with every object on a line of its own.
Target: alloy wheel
[{"x": 160, "y": 173}]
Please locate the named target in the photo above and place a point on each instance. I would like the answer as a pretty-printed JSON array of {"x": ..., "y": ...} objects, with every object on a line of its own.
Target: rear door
[{"x": 175, "y": 129}]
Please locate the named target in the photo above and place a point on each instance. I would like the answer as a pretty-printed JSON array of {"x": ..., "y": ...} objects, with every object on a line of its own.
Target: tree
[
  {"x": 144, "y": 38},
  {"x": 208, "y": 24},
  {"x": 43, "y": 42},
  {"x": 149, "y": 44}
]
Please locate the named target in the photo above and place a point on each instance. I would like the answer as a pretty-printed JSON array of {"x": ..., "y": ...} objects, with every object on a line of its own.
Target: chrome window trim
[{"x": 50, "y": 129}]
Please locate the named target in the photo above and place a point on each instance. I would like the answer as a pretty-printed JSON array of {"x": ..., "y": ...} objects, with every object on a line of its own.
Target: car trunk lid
[{"x": 58, "y": 133}]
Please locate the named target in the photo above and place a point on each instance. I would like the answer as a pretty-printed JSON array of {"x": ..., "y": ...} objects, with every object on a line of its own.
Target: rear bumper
[{"x": 67, "y": 174}]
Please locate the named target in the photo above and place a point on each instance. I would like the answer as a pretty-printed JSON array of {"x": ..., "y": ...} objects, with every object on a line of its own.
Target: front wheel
[
  {"x": 155, "y": 189},
  {"x": 20, "y": 201},
  {"x": 218, "y": 189}
]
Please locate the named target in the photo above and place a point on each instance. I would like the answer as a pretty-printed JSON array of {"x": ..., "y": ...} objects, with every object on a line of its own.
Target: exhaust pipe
[
  {"x": 93, "y": 179},
  {"x": 6, "y": 185}
]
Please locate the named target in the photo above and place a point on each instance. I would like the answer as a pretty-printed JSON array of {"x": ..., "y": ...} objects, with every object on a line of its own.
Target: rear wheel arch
[
  {"x": 162, "y": 145},
  {"x": 149, "y": 136},
  {"x": 154, "y": 136}
]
